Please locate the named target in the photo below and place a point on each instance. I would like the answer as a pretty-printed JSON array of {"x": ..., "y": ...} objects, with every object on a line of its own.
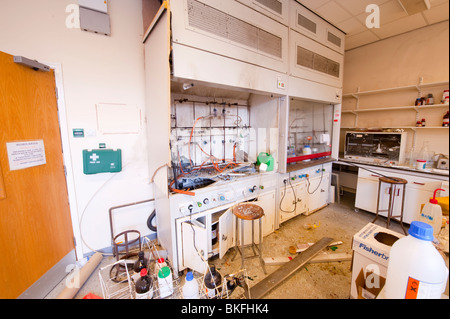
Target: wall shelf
[
  {"x": 401, "y": 127},
  {"x": 417, "y": 87},
  {"x": 396, "y": 108}
]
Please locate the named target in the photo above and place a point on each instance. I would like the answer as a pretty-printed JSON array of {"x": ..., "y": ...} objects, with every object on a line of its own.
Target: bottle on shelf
[
  {"x": 190, "y": 287},
  {"x": 416, "y": 270},
  {"x": 423, "y": 123},
  {"x": 445, "y": 97},
  {"x": 141, "y": 263},
  {"x": 445, "y": 121},
  {"x": 144, "y": 286},
  {"x": 430, "y": 99}
]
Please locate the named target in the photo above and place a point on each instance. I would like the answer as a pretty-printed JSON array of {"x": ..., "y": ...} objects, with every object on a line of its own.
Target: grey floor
[{"x": 314, "y": 281}]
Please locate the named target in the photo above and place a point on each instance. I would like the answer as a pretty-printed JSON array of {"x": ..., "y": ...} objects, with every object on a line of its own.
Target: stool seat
[
  {"x": 248, "y": 211},
  {"x": 393, "y": 180}
]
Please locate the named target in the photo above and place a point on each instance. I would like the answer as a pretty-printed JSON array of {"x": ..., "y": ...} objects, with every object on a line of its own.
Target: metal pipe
[{"x": 123, "y": 206}]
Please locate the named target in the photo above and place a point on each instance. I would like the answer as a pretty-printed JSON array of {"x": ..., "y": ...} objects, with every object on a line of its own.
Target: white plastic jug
[
  {"x": 416, "y": 270},
  {"x": 432, "y": 214},
  {"x": 190, "y": 287}
]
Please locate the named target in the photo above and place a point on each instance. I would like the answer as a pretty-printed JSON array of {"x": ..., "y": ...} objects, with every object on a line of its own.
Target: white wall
[{"x": 95, "y": 69}]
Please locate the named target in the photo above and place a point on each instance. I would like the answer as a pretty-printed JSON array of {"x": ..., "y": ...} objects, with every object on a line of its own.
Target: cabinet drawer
[
  {"x": 417, "y": 182},
  {"x": 304, "y": 21},
  {"x": 313, "y": 61},
  {"x": 275, "y": 9},
  {"x": 231, "y": 29}
]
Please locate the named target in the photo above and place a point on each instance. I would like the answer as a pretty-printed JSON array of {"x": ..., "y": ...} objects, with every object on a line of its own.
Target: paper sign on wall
[{"x": 26, "y": 154}]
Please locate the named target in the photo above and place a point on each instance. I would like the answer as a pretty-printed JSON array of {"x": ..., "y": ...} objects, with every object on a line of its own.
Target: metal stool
[
  {"x": 249, "y": 212},
  {"x": 395, "y": 184}
]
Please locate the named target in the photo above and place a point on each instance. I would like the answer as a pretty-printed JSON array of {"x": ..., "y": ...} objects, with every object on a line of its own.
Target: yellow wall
[{"x": 400, "y": 61}]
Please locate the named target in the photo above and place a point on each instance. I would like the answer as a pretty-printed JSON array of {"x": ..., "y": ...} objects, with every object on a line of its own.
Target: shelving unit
[{"x": 417, "y": 88}]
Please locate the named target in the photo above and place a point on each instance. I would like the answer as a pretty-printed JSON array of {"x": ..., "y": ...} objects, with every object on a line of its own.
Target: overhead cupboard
[{"x": 221, "y": 80}]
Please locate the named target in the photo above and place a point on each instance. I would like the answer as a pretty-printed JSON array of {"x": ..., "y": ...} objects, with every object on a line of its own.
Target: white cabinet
[
  {"x": 229, "y": 29},
  {"x": 275, "y": 9},
  {"x": 318, "y": 191},
  {"x": 418, "y": 191},
  {"x": 313, "y": 61},
  {"x": 195, "y": 234},
  {"x": 293, "y": 201},
  {"x": 366, "y": 194},
  {"x": 304, "y": 21},
  {"x": 267, "y": 202}
]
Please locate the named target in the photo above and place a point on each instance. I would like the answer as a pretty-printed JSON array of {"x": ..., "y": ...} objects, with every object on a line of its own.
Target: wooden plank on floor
[
  {"x": 286, "y": 270},
  {"x": 321, "y": 258}
]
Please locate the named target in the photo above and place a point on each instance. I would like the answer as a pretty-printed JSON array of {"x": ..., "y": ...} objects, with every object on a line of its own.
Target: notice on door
[{"x": 26, "y": 154}]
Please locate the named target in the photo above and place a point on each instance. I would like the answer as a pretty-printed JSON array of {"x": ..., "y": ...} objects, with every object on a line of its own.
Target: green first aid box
[{"x": 102, "y": 161}]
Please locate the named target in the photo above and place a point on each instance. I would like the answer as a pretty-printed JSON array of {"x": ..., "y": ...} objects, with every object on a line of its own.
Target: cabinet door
[
  {"x": 194, "y": 245},
  {"x": 366, "y": 195},
  {"x": 227, "y": 232},
  {"x": 302, "y": 198},
  {"x": 414, "y": 199},
  {"x": 267, "y": 202},
  {"x": 287, "y": 203},
  {"x": 318, "y": 190}
]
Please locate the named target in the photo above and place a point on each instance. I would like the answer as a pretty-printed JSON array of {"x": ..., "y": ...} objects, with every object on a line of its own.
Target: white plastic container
[
  {"x": 421, "y": 164},
  {"x": 432, "y": 214},
  {"x": 307, "y": 151},
  {"x": 190, "y": 287},
  {"x": 165, "y": 282},
  {"x": 416, "y": 270}
]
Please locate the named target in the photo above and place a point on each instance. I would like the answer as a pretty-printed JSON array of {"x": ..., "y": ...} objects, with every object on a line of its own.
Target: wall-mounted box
[
  {"x": 97, "y": 5},
  {"x": 102, "y": 161},
  {"x": 94, "y": 21}
]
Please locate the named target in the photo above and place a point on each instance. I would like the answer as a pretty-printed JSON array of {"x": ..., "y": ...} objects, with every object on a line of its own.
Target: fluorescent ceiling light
[{"x": 414, "y": 6}]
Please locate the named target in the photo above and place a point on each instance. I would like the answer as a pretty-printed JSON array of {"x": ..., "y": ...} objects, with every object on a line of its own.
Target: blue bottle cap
[
  {"x": 189, "y": 276},
  {"x": 421, "y": 231}
]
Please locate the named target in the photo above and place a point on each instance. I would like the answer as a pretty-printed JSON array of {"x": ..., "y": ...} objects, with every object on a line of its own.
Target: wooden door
[{"x": 35, "y": 224}]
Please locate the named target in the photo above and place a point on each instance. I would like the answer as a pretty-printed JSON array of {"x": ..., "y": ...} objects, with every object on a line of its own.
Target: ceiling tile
[
  {"x": 356, "y": 7},
  {"x": 313, "y": 4},
  {"x": 399, "y": 26},
  {"x": 351, "y": 26},
  {"x": 360, "y": 39},
  {"x": 332, "y": 12},
  {"x": 434, "y": 3},
  {"x": 437, "y": 13}
]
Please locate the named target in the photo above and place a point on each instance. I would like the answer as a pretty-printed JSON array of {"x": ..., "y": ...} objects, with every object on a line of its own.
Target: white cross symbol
[{"x": 94, "y": 157}]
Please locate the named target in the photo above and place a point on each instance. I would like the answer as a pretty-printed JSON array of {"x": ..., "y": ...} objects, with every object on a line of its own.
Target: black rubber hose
[{"x": 150, "y": 219}]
